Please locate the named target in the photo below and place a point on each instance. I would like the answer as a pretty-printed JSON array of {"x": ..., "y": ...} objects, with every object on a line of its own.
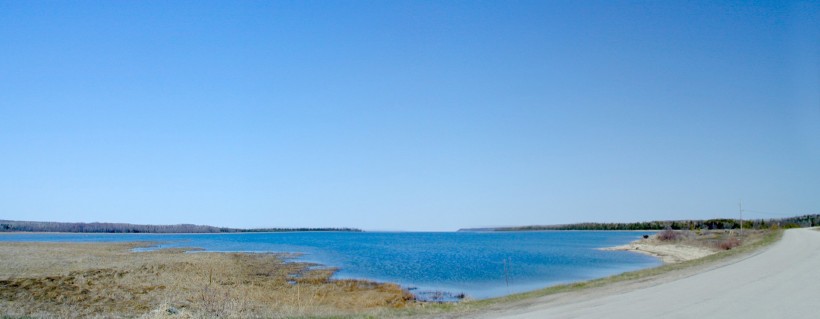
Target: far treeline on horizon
[
  {"x": 34, "y": 226},
  {"x": 810, "y": 220}
]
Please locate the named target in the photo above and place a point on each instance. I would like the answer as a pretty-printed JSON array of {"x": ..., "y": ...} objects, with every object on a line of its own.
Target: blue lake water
[{"x": 479, "y": 264}]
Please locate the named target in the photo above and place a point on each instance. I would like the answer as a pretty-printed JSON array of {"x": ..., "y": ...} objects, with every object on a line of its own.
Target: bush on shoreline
[
  {"x": 729, "y": 243},
  {"x": 668, "y": 235}
]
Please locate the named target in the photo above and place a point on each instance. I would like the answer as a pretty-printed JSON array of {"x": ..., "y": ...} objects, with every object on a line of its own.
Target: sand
[
  {"x": 669, "y": 253},
  {"x": 781, "y": 281}
]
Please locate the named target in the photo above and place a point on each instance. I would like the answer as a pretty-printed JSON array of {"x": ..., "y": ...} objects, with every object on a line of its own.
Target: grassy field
[{"x": 71, "y": 280}]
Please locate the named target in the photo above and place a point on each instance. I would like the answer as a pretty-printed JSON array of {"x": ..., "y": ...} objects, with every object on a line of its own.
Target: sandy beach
[
  {"x": 672, "y": 252},
  {"x": 780, "y": 281}
]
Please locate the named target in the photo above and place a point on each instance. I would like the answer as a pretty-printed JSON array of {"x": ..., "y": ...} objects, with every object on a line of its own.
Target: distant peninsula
[
  {"x": 722, "y": 223},
  {"x": 30, "y": 226}
]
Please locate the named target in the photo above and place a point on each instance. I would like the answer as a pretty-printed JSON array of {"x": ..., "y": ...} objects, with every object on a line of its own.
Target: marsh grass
[{"x": 68, "y": 280}]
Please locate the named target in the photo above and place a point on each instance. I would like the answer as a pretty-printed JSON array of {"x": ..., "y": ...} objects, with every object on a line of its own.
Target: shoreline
[
  {"x": 668, "y": 253},
  {"x": 391, "y": 295},
  {"x": 38, "y": 279},
  {"x": 608, "y": 287},
  {"x": 693, "y": 288},
  {"x": 420, "y": 290}
]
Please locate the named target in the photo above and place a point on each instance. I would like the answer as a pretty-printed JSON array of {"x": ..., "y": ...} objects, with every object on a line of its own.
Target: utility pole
[{"x": 740, "y": 209}]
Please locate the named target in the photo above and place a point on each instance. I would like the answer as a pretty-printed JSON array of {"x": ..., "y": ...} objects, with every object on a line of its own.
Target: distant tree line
[
  {"x": 28, "y": 226},
  {"x": 721, "y": 223}
]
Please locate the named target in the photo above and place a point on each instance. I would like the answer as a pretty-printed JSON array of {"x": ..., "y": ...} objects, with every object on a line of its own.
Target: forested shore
[
  {"x": 720, "y": 223},
  {"x": 34, "y": 226}
]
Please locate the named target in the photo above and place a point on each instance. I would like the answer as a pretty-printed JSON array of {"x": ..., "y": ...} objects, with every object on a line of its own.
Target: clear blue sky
[{"x": 407, "y": 115}]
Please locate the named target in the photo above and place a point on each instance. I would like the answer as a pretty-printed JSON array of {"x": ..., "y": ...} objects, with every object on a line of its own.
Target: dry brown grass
[
  {"x": 108, "y": 280},
  {"x": 668, "y": 234},
  {"x": 711, "y": 239}
]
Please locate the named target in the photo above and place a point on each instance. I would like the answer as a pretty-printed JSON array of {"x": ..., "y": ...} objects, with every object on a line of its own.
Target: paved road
[{"x": 781, "y": 282}]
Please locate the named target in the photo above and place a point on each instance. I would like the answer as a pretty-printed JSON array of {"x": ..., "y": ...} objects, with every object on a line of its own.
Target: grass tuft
[{"x": 729, "y": 243}]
